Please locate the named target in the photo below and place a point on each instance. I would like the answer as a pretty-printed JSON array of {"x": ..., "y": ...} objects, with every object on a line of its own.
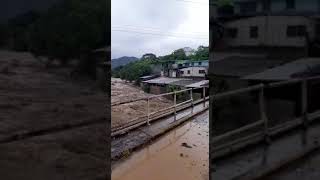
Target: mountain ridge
[{"x": 122, "y": 61}]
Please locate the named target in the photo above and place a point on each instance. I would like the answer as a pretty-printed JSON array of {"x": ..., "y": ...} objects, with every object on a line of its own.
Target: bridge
[
  {"x": 259, "y": 129},
  {"x": 164, "y": 139},
  {"x": 140, "y": 131}
]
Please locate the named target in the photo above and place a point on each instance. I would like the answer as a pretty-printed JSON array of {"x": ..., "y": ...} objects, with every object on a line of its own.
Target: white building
[
  {"x": 193, "y": 72},
  {"x": 282, "y": 31},
  {"x": 272, "y": 23}
]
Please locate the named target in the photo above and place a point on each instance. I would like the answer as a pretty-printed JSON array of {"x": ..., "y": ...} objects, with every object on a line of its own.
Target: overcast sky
[{"x": 159, "y": 27}]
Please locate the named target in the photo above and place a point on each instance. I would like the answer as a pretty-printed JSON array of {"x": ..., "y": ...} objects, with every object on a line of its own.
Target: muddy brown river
[{"x": 180, "y": 154}]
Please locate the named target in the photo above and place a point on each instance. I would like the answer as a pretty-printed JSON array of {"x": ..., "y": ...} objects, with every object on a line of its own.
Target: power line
[
  {"x": 155, "y": 29},
  {"x": 162, "y": 32},
  {"x": 157, "y": 34},
  {"x": 197, "y": 2}
]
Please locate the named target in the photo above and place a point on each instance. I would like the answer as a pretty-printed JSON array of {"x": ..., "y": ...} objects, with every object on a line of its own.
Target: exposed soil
[{"x": 124, "y": 113}]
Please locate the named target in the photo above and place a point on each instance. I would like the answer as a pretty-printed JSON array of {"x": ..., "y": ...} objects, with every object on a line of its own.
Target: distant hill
[{"x": 122, "y": 61}]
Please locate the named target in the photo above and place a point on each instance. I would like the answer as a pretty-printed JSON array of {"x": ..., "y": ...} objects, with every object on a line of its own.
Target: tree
[
  {"x": 202, "y": 53},
  {"x": 149, "y": 56},
  {"x": 225, "y": 7},
  {"x": 134, "y": 70},
  {"x": 71, "y": 29},
  {"x": 179, "y": 54}
]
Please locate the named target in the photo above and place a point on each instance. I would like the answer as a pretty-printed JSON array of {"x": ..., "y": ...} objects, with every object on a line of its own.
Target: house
[
  {"x": 185, "y": 69},
  {"x": 285, "y": 24},
  {"x": 244, "y": 8},
  {"x": 163, "y": 84},
  {"x": 178, "y": 74}
]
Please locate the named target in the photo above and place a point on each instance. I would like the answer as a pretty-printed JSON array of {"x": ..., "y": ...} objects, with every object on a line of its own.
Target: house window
[
  {"x": 182, "y": 72},
  {"x": 199, "y": 63},
  {"x": 254, "y": 32},
  {"x": 232, "y": 32},
  {"x": 202, "y": 71},
  {"x": 296, "y": 31},
  {"x": 291, "y": 4},
  {"x": 188, "y": 71}
]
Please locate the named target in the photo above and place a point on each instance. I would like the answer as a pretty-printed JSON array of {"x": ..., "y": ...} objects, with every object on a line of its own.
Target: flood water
[{"x": 180, "y": 154}]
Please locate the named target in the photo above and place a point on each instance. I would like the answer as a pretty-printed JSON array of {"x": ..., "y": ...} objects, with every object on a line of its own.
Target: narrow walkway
[{"x": 121, "y": 145}]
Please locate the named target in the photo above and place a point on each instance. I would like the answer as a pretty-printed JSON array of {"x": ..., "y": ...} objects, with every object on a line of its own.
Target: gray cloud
[{"x": 160, "y": 18}]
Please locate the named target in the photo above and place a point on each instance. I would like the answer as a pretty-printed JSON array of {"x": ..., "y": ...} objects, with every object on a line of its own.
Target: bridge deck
[
  {"x": 184, "y": 149},
  {"x": 145, "y": 134}
]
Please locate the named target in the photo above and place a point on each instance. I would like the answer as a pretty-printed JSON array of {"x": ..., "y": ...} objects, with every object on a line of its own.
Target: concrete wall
[
  {"x": 194, "y": 72},
  {"x": 272, "y": 31}
]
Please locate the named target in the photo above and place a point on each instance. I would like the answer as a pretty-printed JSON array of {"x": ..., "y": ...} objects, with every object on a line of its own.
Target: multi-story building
[
  {"x": 185, "y": 68},
  {"x": 259, "y": 35},
  {"x": 272, "y": 23}
]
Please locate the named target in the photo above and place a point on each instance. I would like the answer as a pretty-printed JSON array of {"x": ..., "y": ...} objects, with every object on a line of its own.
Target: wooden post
[
  {"x": 148, "y": 111},
  {"x": 175, "y": 103},
  {"x": 304, "y": 102},
  {"x": 191, "y": 97},
  {"x": 263, "y": 115},
  {"x": 204, "y": 97}
]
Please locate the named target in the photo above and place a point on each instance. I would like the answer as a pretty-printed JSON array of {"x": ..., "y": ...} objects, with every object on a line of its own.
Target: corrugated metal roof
[
  {"x": 172, "y": 81},
  {"x": 242, "y": 66},
  {"x": 287, "y": 71},
  {"x": 184, "y": 82},
  {"x": 163, "y": 80},
  {"x": 203, "y": 83}
]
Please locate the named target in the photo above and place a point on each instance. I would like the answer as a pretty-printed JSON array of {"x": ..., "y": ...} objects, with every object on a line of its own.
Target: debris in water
[{"x": 186, "y": 145}]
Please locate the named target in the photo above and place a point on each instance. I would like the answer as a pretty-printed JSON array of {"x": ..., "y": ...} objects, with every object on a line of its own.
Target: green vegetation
[
  {"x": 133, "y": 70},
  {"x": 202, "y": 53},
  {"x": 225, "y": 7},
  {"x": 71, "y": 29},
  {"x": 147, "y": 62},
  {"x": 225, "y": 3},
  {"x": 182, "y": 96}
]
